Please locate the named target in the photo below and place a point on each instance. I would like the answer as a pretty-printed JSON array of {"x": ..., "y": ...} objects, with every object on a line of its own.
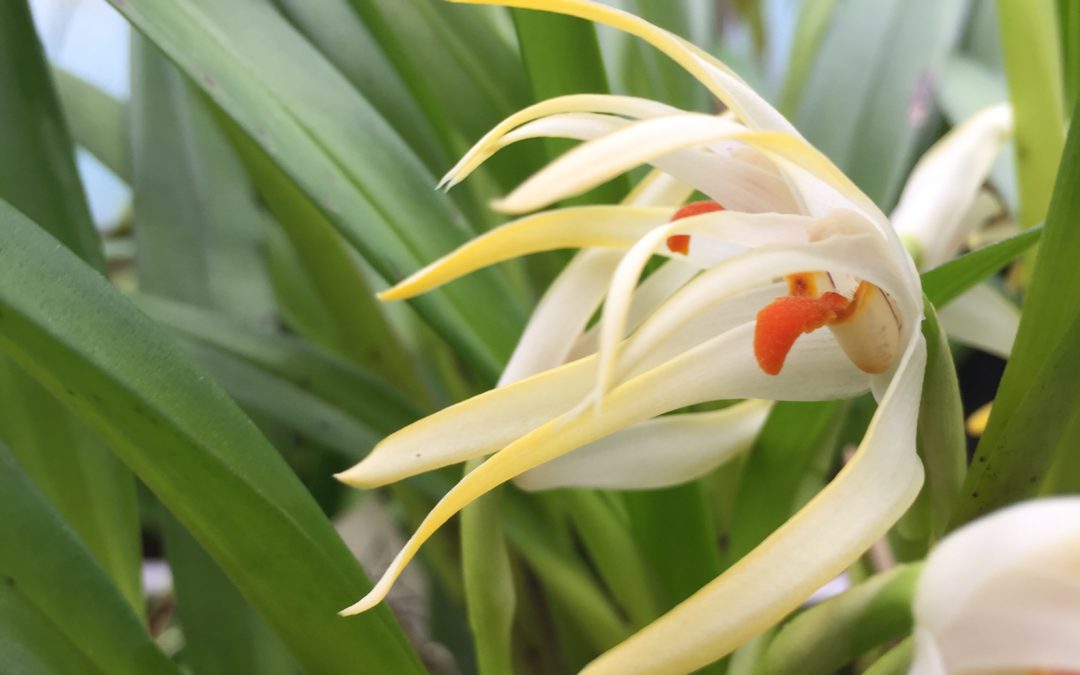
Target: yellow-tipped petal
[
  {"x": 584, "y": 226},
  {"x": 718, "y": 78},
  {"x": 815, "y": 545},
  {"x": 715, "y": 370},
  {"x": 492, "y": 142}
]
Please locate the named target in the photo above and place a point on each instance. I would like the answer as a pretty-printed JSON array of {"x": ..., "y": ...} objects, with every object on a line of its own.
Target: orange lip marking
[
  {"x": 680, "y": 243},
  {"x": 781, "y": 322}
]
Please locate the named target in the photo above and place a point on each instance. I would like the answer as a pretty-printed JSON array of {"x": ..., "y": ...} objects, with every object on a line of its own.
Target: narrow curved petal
[
  {"x": 742, "y": 181},
  {"x": 575, "y": 227},
  {"x": 717, "y": 369},
  {"x": 827, "y": 535},
  {"x": 943, "y": 186},
  {"x": 642, "y": 142},
  {"x": 982, "y": 318},
  {"x": 656, "y": 453},
  {"x": 560, "y": 317},
  {"x": 718, "y": 78},
  {"x": 562, "y": 314},
  {"x": 626, "y": 106}
]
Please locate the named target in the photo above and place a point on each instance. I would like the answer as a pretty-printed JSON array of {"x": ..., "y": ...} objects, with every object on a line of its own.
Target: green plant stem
[{"x": 1029, "y": 38}]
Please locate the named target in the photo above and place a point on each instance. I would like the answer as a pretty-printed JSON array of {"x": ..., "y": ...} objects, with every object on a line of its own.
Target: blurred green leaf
[
  {"x": 668, "y": 82},
  {"x": 809, "y": 30},
  {"x": 37, "y": 175},
  {"x": 941, "y": 441},
  {"x": 31, "y": 645},
  {"x": 949, "y": 280},
  {"x": 1029, "y": 39},
  {"x": 896, "y": 661},
  {"x": 795, "y": 435},
  {"x": 1029, "y": 423},
  {"x": 98, "y": 122},
  {"x": 828, "y": 636},
  {"x": 183, "y": 436},
  {"x": 360, "y": 328},
  {"x": 868, "y": 99},
  {"x": 489, "y": 584},
  {"x": 334, "y": 145},
  {"x": 46, "y": 569},
  {"x": 1069, "y": 23}
]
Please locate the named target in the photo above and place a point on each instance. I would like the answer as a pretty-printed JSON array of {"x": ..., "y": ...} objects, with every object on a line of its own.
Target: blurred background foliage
[{"x": 255, "y": 170}]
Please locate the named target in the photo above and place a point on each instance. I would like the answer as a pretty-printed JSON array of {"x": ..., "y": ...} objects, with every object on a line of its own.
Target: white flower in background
[
  {"x": 735, "y": 313},
  {"x": 938, "y": 211},
  {"x": 1002, "y": 595}
]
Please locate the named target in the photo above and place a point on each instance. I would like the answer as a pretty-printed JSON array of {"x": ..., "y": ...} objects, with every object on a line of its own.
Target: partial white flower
[{"x": 1002, "y": 594}]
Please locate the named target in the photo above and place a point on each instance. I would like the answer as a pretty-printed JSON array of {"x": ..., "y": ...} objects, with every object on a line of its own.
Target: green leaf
[
  {"x": 333, "y": 144},
  {"x": 828, "y": 636},
  {"x": 31, "y": 645},
  {"x": 666, "y": 81},
  {"x": 809, "y": 31},
  {"x": 942, "y": 444},
  {"x": 360, "y": 328},
  {"x": 98, "y": 122},
  {"x": 45, "y": 568},
  {"x": 794, "y": 436},
  {"x": 1069, "y": 23},
  {"x": 183, "y": 436},
  {"x": 1029, "y": 39},
  {"x": 309, "y": 368},
  {"x": 489, "y": 584},
  {"x": 605, "y": 534},
  {"x": 868, "y": 100},
  {"x": 948, "y": 281},
  {"x": 37, "y": 175},
  {"x": 222, "y": 633},
  {"x": 1028, "y": 426},
  {"x": 896, "y": 661}
]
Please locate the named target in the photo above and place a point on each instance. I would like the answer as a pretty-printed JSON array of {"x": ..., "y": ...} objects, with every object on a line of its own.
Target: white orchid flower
[
  {"x": 938, "y": 210},
  {"x": 735, "y": 314},
  {"x": 1002, "y": 594}
]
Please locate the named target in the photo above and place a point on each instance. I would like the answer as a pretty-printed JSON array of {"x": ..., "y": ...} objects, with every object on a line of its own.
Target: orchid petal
[
  {"x": 982, "y": 318},
  {"x": 1002, "y": 593},
  {"x": 573, "y": 297},
  {"x": 741, "y": 181},
  {"x": 718, "y": 78},
  {"x": 562, "y": 314},
  {"x": 583, "y": 226},
  {"x": 827, "y": 535},
  {"x": 627, "y": 106},
  {"x": 714, "y": 370},
  {"x": 657, "y": 453},
  {"x": 637, "y": 143},
  {"x": 943, "y": 186}
]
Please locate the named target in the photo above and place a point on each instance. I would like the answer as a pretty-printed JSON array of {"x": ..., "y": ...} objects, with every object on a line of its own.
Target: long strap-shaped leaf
[
  {"x": 47, "y": 573},
  {"x": 192, "y": 446},
  {"x": 332, "y": 143}
]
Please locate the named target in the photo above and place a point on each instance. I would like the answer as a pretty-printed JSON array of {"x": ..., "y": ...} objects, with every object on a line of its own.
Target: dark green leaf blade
[
  {"x": 184, "y": 437},
  {"x": 945, "y": 283}
]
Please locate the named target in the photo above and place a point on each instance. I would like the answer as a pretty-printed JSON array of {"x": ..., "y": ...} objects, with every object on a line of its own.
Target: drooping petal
[
  {"x": 827, "y": 535},
  {"x": 657, "y": 453},
  {"x": 982, "y": 318},
  {"x": 718, "y": 78},
  {"x": 575, "y": 227},
  {"x": 945, "y": 182},
  {"x": 717, "y": 369}
]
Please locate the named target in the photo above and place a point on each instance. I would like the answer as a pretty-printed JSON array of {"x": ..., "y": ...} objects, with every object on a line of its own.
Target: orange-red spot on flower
[
  {"x": 679, "y": 243},
  {"x": 782, "y": 321},
  {"x": 696, "y": 209}
]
